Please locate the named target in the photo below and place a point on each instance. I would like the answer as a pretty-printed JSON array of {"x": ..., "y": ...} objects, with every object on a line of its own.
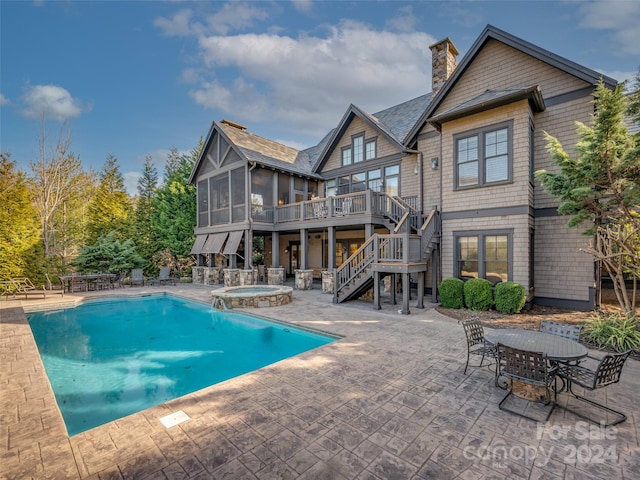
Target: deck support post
[
  {"x": 376, "y": 291},
  {"x": 406, "y": 294},
  {"x": 420, "y": 292}
]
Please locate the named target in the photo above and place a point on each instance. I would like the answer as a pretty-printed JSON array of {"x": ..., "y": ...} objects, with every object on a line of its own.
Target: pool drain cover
[{"x": 174, "y": 419}]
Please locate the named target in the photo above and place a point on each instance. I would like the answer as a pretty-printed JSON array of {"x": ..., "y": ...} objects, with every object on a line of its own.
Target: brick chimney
[{"x": 443, "y": 63}]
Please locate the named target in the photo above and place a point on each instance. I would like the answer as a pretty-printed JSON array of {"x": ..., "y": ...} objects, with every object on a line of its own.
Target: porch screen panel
[
  {"x": 238, "y": 195},
  {"x": 219, "y": 198},
  {"x": 203, "y": 204},
  {"x": 261, "y": 191},
  {"x": 283, "y": 189}
]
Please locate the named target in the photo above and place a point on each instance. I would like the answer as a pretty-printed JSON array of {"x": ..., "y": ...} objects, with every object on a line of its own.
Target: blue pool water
[{"x": 111, "y": 358}]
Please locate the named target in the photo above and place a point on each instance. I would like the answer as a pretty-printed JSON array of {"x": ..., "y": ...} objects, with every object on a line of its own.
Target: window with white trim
[{"x": 483, "y": 156}]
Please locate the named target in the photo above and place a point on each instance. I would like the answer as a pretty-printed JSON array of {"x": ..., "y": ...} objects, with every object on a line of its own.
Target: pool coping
[{"x": 389, "y": 396}]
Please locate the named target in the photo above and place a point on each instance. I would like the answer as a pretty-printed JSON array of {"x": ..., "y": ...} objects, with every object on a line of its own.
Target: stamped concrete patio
[{"x": 387, "y": 401}]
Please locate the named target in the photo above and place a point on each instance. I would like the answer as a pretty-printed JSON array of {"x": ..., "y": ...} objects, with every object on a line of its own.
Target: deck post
[
  {"x": 406, "y": 294},
  {"x": 420, "y": 292},
  {"x": 376, "y": 291}
]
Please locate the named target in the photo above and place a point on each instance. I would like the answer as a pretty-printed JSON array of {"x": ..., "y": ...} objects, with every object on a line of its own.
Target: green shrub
[
  {"x": 478, "y": 294},
  {"x": 509, "y": 297},
  {"x": 613, "y": 331},
  {"x": 450, "y": 290}
]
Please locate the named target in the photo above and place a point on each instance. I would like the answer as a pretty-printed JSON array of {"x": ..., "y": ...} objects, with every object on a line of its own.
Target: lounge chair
[
  {"x": 137, "y": 277},
  {"x": 24, "y": 286},
  {"x": 164, "y": 277}
]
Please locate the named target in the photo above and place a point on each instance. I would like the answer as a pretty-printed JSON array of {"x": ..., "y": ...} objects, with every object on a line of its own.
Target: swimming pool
[{"x": 106, "y": 359}]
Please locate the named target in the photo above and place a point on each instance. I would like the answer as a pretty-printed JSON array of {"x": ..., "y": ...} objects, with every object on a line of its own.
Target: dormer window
[{"x": 359, "y": 150}]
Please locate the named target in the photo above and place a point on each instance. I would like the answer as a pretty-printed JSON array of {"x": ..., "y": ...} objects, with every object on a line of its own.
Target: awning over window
[
  {"x": 233, "y": 243},
  {"x": 214, "y": 242},
  {"x": 198, "y": 244}
]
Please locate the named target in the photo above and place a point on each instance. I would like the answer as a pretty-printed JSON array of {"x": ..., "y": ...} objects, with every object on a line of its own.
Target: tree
[
  {"x": 19, "y": 232},
  {"x": 143, "y": 217},
  {"x": 174, "y": 214},
  {"x": 600, "y": 189},
  {"x": 60, "y": 189},
  {"x": 110, "y": 210},
  {"x": 108, "y": 255}
]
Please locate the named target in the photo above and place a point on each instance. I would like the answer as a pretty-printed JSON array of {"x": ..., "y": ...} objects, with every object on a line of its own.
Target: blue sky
[{"x": 138, "y": 78}]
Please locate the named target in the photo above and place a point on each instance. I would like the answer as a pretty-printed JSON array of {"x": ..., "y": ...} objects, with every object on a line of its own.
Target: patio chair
[
  {"x": 607, "y": 372},
  {"x": 164, "y": 277},
  {"x": 561, "y": 329},
  {"x": 136, "y": 278},
  {"x": 476, "y": 344},
  {"x": 522, "y": 368}
]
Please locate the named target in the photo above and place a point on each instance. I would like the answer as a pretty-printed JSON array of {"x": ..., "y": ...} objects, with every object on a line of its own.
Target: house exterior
[{"x": 438, "y": 186}]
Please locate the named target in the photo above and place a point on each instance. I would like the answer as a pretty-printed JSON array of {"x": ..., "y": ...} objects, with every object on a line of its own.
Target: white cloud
[
  {"x": 405, "y": 21},
  {"x": 235, "y": 16},
  {"x": 619, "y": 16},
  {"x": 52, "y": 101},
  {"x": 177, "y": 26},
  {"x": 302, "y": 5},
  {"x": 4, "y": 100},
  {"x": 310, "y": 81},
  {"x": 131, "y": 182},
  {"x": 232, "y": 16}
]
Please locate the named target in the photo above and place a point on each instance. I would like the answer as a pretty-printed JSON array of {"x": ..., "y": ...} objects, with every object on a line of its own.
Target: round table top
[{"x": 553, "y": 346}]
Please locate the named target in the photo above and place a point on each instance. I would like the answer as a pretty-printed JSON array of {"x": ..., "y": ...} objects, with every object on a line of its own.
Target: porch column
[
  {"x": 420, "y": 303},
  {"x": 275, "y": 249},
  {"x": 331, "y": 245},
  {"x": 368, "y": 230},
  {"x": 406, "y": 293},
  {"x": 434, "y": 274},
  {"x": 304, "y": 249},
  {"x": 248, "y": 249},
  {"x": 233, "y": 261}
]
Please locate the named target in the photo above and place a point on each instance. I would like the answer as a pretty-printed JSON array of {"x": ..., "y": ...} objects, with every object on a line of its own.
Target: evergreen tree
[
  {"x": 174, "y": 208},
  {"x": 19, "y": 232},
  {"x": 600, "y": 189},
  {"x": 110, "y": 210},
  {"x": 147, "y": 185},
  {"x": 108, "y": 255}
]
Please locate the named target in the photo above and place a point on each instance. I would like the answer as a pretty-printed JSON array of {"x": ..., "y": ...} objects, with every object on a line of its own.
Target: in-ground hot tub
[{"x": 251, "y": 296}]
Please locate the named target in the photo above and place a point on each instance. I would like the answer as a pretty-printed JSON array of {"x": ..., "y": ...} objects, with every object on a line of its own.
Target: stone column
[
  {"x": 304, "y": 279},
  {"x": 247, "y": 277},
  {"x": 275, "y": 276},
  {"x": 231, "y": 277},
  {"x": 327, "y": 282}
]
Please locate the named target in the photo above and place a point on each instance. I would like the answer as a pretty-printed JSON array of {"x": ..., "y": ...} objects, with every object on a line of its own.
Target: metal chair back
[
  {"x": 474, "y": 332},
  {"x": 524, "y": 366},
  {"x": 561, "y": 329},
  {"x": 609, "y": 370}
]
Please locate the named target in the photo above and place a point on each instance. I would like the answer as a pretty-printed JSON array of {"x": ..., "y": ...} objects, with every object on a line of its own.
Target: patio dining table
[
  {"x": 86, "y": 279},
  {"x": 556, "y": 348}
]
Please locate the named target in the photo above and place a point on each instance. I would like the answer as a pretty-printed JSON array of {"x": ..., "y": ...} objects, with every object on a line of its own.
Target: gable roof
[
  {"x": 492, "y": 33},
  {"x": 259, "y": 150},
  {"x": 492, "y": 99},
  {"x": 394, "y": 123}
]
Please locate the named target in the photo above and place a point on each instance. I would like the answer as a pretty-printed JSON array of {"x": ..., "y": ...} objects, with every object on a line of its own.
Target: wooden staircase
[{"x": 397, "y": 250}]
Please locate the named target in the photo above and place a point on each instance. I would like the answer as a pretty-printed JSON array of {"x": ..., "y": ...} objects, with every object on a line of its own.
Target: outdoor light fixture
[{"x": 434, "y": 163}]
